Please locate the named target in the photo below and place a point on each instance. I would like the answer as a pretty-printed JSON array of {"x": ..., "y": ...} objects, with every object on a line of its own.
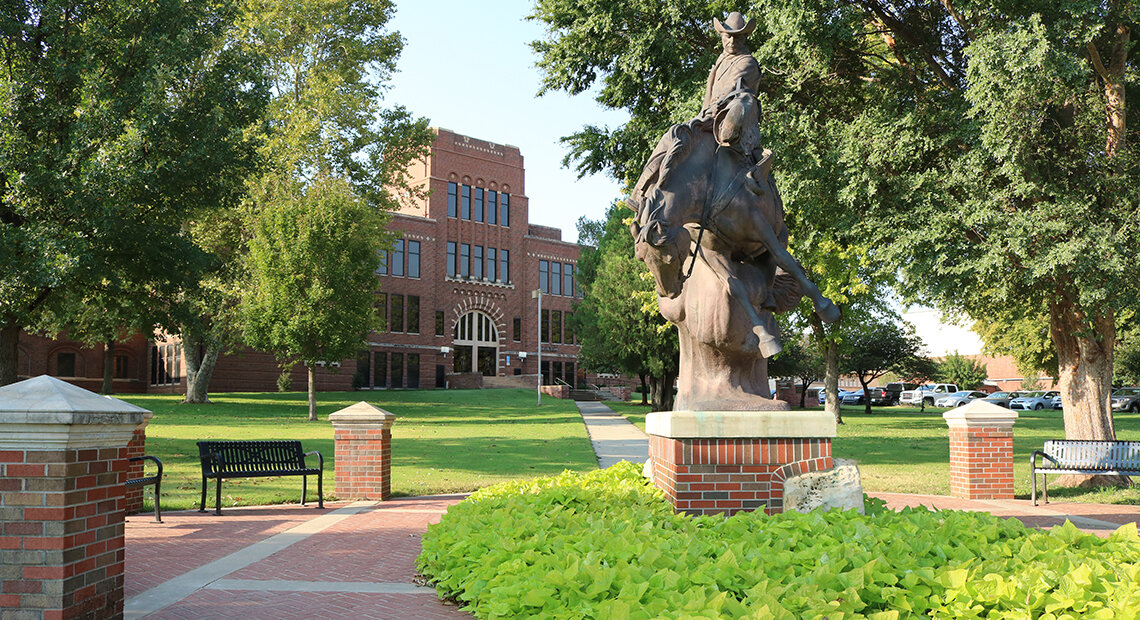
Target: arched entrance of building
[{"x": 476, "y": 344}]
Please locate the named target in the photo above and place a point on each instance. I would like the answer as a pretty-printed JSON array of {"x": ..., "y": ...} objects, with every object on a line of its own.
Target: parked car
[
  {"x": 1126, "y": 399},
  {"x": 1001, "y": 399},
  {"x": 880, "y": 396},
  {"x": 927, "y": 394},
  {"x": 957, "y": 399},
  {"x": 853, "y": 398},
  {"x": 1033, "y": 400},
  {"x": 896, "y": 391},
  {"x": 823, "y": 395},
  {"x": 1055, "y": 402}
]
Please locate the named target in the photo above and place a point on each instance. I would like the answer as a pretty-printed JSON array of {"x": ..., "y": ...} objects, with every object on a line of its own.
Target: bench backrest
[
  {"x": 249, "y": 456},
  {"x": 1106, "y": 455}
]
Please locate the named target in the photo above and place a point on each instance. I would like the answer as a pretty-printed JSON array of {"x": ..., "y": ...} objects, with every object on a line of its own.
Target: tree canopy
[
  {"x": 119, "y": 120},
  {"x": 979, "y": 151},
  {"x": 876, "y": 348},
  {"x": 966, "y": 373}
]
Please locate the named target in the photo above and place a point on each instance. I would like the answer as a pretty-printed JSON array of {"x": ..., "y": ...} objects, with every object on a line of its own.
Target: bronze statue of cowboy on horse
[{"x": 710, "y": 227}]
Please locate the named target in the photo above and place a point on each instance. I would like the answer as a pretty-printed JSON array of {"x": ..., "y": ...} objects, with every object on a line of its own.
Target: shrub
[
  {"x": 285, "y": 380},
  {"x": 607, "y": 545}
]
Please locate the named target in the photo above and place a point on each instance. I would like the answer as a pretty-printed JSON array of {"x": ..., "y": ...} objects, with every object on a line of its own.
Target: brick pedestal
[
  {"x": 731, "y": 461},
  {"x": 363, "y": 452},
  {"x": 981, "y": 451},
  {"x": 136, "y": 447},
  {"x": 63, "y": 460}
]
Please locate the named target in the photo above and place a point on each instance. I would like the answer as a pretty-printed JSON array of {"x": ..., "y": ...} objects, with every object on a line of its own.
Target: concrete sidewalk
[{"x": 614, "y": 437}]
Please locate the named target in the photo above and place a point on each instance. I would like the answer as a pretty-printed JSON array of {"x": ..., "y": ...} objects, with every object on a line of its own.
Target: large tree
[
  {"x": 119, "y": 120},
  {"x": 966, "y": 373},
  {"x": 616, "y": 322},
  {"x": 329, "y": 62},
  {"x": 984, "y": 146}
]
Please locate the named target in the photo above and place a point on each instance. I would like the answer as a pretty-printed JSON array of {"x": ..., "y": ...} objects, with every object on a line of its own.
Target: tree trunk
[
  {"x": 9, "y": 351},
  {"x": 108, "y": 367},
  {"x": 199, "y": 366},
  {"x": 803, "y": 393},
  {"x": 644, "y": 390},
  {"x": 312, "y": 391},
  {"x": 1084, "y": 364},
  {"x": 830, "y": 350},
  {"x": 866, "y": 396}
]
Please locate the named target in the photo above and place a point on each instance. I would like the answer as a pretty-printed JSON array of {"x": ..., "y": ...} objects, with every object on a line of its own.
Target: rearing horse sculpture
[{"x": 705, "y": 210}]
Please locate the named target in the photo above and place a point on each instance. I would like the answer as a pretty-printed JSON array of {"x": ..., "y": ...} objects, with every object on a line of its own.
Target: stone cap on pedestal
[
  {"x": 44, "y": 413},
  {"x": 732, "y": 424},
  {"x": 362, "y": 415},
  {"x": 980, "y": 413}
]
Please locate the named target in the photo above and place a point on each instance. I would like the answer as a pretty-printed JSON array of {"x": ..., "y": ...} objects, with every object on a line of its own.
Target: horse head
[
  {"x": 737, "y": 122},
  {"x": 663, "y": 248}
]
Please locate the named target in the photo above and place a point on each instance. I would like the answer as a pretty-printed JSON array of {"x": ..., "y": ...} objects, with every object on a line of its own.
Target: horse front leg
[
  {"x": 827, "y": 311},
  {"x": 721, "y": 265}
]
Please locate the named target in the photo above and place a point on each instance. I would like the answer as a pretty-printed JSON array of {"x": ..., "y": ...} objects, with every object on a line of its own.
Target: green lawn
[
  {"x": 901, "y": 450},
  {"x": 443, "y": 441}
]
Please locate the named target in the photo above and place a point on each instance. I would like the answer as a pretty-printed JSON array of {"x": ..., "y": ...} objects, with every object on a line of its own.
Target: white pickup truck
[{"x": 927, "y": 394}]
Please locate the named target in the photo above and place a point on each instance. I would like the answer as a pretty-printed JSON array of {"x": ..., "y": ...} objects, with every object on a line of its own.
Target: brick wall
[
  {"x": 726, "y": 476},
  {"x": 362, "y": 436},
  {"x": 61, "y": 549}
]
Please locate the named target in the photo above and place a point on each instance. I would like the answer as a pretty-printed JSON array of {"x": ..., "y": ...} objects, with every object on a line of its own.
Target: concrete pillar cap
[
  {"x": 980, "y": 413},
  {"x": 45, "y": 413},
  {"x": 362, "y": 414},
  {"x": 740, "y": 424}
]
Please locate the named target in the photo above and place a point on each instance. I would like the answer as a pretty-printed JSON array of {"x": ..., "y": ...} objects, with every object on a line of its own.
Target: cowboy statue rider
[{"x": 735, "y": 70}]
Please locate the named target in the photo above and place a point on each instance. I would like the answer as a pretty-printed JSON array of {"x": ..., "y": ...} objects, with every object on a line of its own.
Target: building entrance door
[{"x": 476, "y": 344}]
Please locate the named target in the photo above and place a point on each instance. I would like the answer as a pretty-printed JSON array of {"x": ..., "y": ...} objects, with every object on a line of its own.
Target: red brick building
[{"x": 456, "y": 293}]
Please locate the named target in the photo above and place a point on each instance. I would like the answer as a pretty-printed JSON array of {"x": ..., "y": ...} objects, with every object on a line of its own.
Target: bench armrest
[
  {"x": 320, "y": 459},
  {"x": 153, "y": 459},
  {"x": 1033, "y": 459}
]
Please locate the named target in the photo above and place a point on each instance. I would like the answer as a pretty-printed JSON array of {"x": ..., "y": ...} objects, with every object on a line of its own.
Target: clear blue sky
[{"x": 467, "y": 66}]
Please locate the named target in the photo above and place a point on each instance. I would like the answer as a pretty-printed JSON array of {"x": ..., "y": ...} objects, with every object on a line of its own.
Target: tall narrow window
[
  {"x": 568, "y": 280},
  {"x": 556, "y": 326},
  {"x": 382, "y": 268},
  {"x": 397, "y": 314},
  {"x": 544, "y": 327},
  {"x": 397, "y": 370},
  {"x": 517, "y": 329},
  {"x": 397, "y": 266},
  {"x": 413, "y": 370},
  {"x": 413, "y": 314},
  {"x": 465, "y": 259},
  {"x": 492, "y": 206},
  {"x": 544, "y": 276},
  {"x": 505, "y": 266},
  {"x": 568, "y": 329},
  {"x": 477, "y": 263},
  {"x": 465, "y": 203},
  {"x": 121, "y": 367},
  {"x": 492, "y": 262},
  {"x": 504, "y": 209},
  {"x": 439, "y": 322},
  {"x": 452, "y": 199},
  {"x": 451, "y": 259},
  {"x": 478, "y": 204},
  {"x": 413, "y": 259},
  {"x": 380, "y": 373},
  {"x": 382, "y": 309},
  {"x": 555, "y": 278}
]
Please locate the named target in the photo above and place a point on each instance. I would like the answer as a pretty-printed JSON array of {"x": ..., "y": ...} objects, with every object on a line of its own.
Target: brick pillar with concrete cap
[
  {"x": 363, "y": 452},
  {"x": 724, "y": 462},
  {"x": 136, "y": 447},
  {"x": 63, "y": 466},
  {"x": 981, "y": 451}
]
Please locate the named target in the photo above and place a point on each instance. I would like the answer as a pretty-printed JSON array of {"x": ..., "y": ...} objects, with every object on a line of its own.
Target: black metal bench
[
  {"x": 1074, "y": 456},
  {"x": 250, "y": 459},
  {"x": 155, "y": 480}
]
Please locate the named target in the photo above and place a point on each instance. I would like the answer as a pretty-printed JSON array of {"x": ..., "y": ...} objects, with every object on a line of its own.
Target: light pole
[{"x": 537, "y": 294}]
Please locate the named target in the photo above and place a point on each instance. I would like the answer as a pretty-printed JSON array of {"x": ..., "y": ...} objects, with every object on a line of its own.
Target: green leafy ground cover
[
  {"x": 606, "y": 545},
  {"x": 900, "y": 450},
  {"x": 444, "y": 441}
]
